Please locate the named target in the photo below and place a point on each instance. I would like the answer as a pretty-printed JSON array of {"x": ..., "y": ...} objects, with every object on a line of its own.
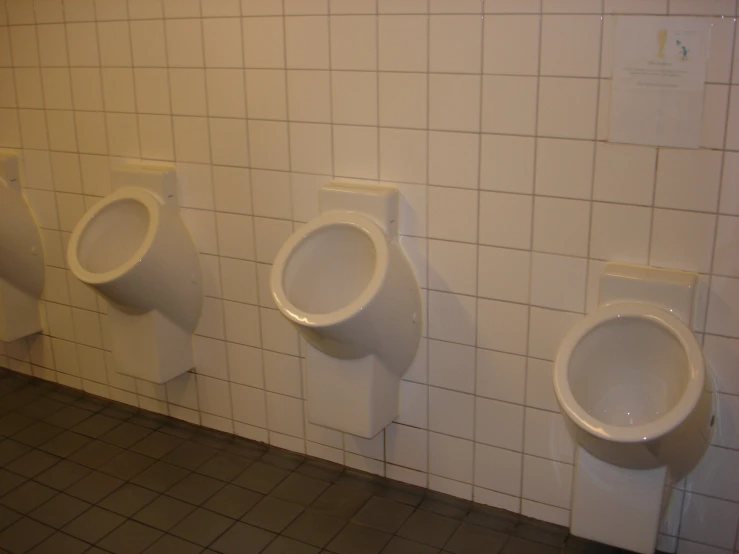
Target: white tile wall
[{"x": 485, "y": 113}]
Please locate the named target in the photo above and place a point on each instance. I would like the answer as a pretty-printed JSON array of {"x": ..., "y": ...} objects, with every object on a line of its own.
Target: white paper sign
[{"x": 659, "y": 80}]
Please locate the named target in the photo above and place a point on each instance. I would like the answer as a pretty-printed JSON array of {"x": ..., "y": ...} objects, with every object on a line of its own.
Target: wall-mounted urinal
[
  {"x": 343, "y": 280},
  {"x": 21, "y": 257},
  {"x": 134, "y": 249}
]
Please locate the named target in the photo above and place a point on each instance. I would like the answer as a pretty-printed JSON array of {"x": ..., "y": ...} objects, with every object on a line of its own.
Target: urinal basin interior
[
  {"x": 628, "y": 371},
  {"x": 329, "y": 268},
  {"x": 114, "y": 236}
]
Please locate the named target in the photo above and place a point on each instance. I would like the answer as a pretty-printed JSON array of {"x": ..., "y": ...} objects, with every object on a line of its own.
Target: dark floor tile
[
  {"x": 11, "y": 450},
  {"x": 68, "y": 417},
  {"x": 299, "y": 489},
  {"x": 95, "y": 454},
  {"x": 65, "y": 444},
  {"x": 341, "y": 501},
  {"x": 272, "y": 514},
  {"x": 169, "y": 544},
  {"x": 403, "y": 493},
  {"x": 128, "y": 499},
  {"x": 14, "y": 422},
  {"x": 284, "y": 545},
  {"x": 7, "y": 517},
  {"x": 492, "y": 518},
  {"x": 41, "y": 408},
  {"x": 156, "y": 444},
  {"x": 32, "y": 463},
  {"x": 242, "y": 539},
  {"x": 93, "y": 525},
  {"x": 233, "y": 501},
  {"x": 96, "y": 425},
  {"x": 130, "y": 538},
  {"x": 202, "y": 527},
  {"x": 63, "y": 475},
  {"x": 541, "y": 531},
  {"x": 164, "y": 513},
  {"x": 190, "y": 455},
  {"x": 282, "y": 459},
  {"x": 125, "y": 435},
  {"x": 472, "y": 539},
  {"x": 576, "y": 545},
  {"x": 315, "y": 528},
  {"x": 195, "y": 488},
  {"x": 318, "y": 469},
  {"x": 127, "y": 465},
  {"x": 261, "y": 477},
  {"x": 23, "y": 535},
  {"x": 9, "y": 481},
  {"x": 384, "y": 514},
  {"x": 37, "y": 434},
  {"x": 517, "y": 545},
  {"x": 27, "y": 497},
  {"x": 60, "y": 543},
  {"x": 445, "y": 505},
  {"x": 399, "y": 545},
  {"x": 428, "y": 528},
  {"x": 60, "y": 510},
  {"x": 94, "y": 487},
  {"x": 357, "y": 539},
  {"x": 224, "y": 466},
  {"x": 160, "y": 476}
]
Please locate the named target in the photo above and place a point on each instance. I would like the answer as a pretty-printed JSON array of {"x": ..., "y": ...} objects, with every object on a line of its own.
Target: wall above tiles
[{"x": 490, "y": 117}]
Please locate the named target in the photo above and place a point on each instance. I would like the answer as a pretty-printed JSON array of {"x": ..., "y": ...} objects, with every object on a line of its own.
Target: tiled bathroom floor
[{"x": 81, "y": 474}]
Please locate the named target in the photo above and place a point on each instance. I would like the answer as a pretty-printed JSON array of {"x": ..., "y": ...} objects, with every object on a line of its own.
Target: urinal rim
[
  {"x": 382, "y": 259},
  {"x": 679, "y": 412},
  {"x": 138, "y": 194}
]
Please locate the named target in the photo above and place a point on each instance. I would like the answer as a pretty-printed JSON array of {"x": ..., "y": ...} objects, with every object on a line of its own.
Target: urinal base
[
  {"x": 617, "y": 506},
  {"x": 19, "y": 313},
  {"x": 358, "y": 396},
  {"x": 149, "y": 346}
]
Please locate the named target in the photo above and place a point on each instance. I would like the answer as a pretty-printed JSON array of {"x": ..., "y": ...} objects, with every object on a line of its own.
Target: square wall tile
[
  {"x": 505, "y": 220},
  {"x": 82, "y": 43},
  {"x": 504, "y": 30},
  {"x": 404, "y": 156},
  {"x": 561, "y": 226},
  {"x": 266, "y": 95},
  {"x": 452, "y": 366},
  {"x": 187, "y": 91},
  {"x": 222, "y": 42},
  {"x": 451, "y": 412},
  {"x": 724, "y": 262},
  {"x": 502, "y": 326},
  {"x": 539, "y": 385},
  {"x": 354, "y": 42},
  {"x": 547, "y": 329},
  {"x": 570, "y": 45},
  {"x": 503, "y": 274},
  {"x": 507, "y": 163},
  {"x": 451, "y": 457},
  {"x": 268, "y": 145},
  {"x": 567, "y": 107},
  {"x": 709, "y": 520},
  {"x": 403, "y": 43},
  {"x": 403, "y": 100},
  {"x": 310, "y": 148},
  {"x": 501, "y": 376},
  {"x": 264, "y": 42},
  {"x": 509, "y": 105},
  {"x": 452, "y": 317},
  {"x": 307, "y": 40},
  {"x": 308, "y": 96},
  {"x": 455, "y": 44},
  {"x": 620, "y": 233},
  {"x": 624, "y": 173},
  {"x": 407, "y": 446},
  {"x": 454, "y": 159},
  {"x": 564, "y": 168},
  {"x": 688, "y": 179},
  {"x": 184, "y": 42},
  {"x": 682, "y": 240},
  {"x": 558, "y": 282},
  {"x": 547, "y": 436},
  {"x": 225, "y": 92},
  {"x": 547, "y": 481},
  {"x": 489, "y": 426},
  {"x": 721, "y": 320},
  {"x": 453, "y": 214},
  {"x": 498, "y": 469},
  {"x": 452, "y": 267},
  {"x": 354, "y": 97},
  {"x": 355, "y": 152},
  {"x": 454, "y": 102}
]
